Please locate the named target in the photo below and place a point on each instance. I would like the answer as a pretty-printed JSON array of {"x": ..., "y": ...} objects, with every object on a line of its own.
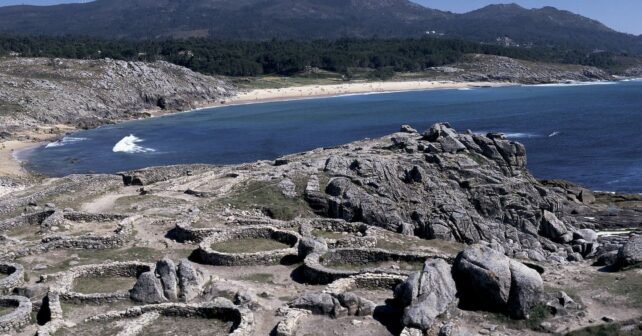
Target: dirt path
[{"x": 107, "y": 202}]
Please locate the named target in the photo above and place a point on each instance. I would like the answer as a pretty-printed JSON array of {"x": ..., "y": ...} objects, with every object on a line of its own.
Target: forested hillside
[{"x": 250, "y": 58}]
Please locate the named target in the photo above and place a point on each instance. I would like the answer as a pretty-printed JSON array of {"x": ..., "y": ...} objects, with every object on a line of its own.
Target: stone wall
[
  {"x": 15, "y": 277},
  {"x": 63, "y": 282},
  {"x": 19, "y": 317},
  {"x": 316, "y": 271},
  {"x": 207, "y": 255}
]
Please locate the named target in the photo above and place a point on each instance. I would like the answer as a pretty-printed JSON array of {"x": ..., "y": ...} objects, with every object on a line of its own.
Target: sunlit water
[{"x": 589, "y": 134}]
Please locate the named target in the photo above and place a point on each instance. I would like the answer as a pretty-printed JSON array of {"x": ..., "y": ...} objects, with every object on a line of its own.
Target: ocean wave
[
  {"x": 513, "y": 135},
  {"x": 465, "y": 89},
  {"x": 569, "y": 84},
  {"x": 554, "y": 134},
  {"x": 64, "y": 141},
  {"x": 518, "y": 135},
  {"x": 129, "y": 145}
]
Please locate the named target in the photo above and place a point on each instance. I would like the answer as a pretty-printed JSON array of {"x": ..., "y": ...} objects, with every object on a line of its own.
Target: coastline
[
  {"x": 10, "y": 165},
  {"x": 337, "y": 90}
]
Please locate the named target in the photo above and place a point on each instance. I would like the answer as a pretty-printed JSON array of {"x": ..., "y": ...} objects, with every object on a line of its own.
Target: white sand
[{"x": 313, "y": 91}]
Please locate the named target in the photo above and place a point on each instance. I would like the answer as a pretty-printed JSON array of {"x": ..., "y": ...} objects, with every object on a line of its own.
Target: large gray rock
[
  {"x": 631, "y": 253},
  {"x": 488, "y": 280},
  {"x": 356, "y": 305},
  {"x": 190, "y": 281},
  {"x": 553, "y": 228},
  {"x": 148, "y": 289},
  {"x": 166, "y": 270},
  {"x": 483, "y": 278},
  {"x": 428, "y": 294},
  {"x": 320, "y": 304},
  {"x": 309, "y": 245},
  {"x": 334, "y": 305},
  {"x": 526, "y": 290}
]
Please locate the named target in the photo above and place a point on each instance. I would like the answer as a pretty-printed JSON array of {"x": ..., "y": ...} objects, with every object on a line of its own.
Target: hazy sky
[{"x": 622, "y": 15}]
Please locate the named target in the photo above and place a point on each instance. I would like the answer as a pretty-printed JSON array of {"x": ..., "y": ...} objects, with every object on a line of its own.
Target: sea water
[{"x": 588, "y": 134}]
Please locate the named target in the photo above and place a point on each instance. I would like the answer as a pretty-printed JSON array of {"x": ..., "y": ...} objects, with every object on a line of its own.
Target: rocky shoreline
[{"x": 431, "y": 233}]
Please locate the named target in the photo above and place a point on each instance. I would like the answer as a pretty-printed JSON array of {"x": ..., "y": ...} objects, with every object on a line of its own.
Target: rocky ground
[
  {"x": 42, "y": 93},
  {"x": 503, "y": 69},
  {"x": 433, "y": 233}
]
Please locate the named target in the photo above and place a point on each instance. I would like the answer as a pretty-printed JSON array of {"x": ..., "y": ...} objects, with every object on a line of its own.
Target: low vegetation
[
  {"x": 103, "y": 284},
  {"x": 351, "y": 58},
  {"x": 268, "y": 197},
  {"x": 248, "y": 245}
]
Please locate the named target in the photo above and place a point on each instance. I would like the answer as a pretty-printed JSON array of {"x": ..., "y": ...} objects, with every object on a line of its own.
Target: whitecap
[
  {"x": 512, "y": 135},
  {"x": 554, "y": 134},
  {"x": 518, "y": 135},
  {"x": 574, "y": 83},
  {"x": 129, "y": 143},
  {"x": 64, "y": 141}
]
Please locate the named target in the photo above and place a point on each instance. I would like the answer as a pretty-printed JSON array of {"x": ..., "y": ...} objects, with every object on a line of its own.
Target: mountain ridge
[{"x": 312, "y": 19}]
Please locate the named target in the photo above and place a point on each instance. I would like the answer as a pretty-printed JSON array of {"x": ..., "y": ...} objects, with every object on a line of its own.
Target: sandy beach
[
  {"x": 317, "y": 91},
  {"x": 9, "y": 166}
]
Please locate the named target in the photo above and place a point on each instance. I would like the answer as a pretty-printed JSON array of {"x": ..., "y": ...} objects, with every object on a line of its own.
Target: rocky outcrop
[
  {"x": 504, "y": 69},
  {"x": 488, "y": 280},
  {"x": 631, "y": 253},
  {"x": 334, "y": 305},
  {"x": 87, "y": 93},
  {"x": 427, "y": 294},
  {"x": 451, "y": 186},
  {"x": 168, "y": 283}
]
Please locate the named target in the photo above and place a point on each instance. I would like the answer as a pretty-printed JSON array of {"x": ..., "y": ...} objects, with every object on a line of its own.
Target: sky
[{"x": 621, "y": 15}]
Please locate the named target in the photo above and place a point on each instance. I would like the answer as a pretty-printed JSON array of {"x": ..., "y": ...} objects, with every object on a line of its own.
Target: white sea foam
[
  {"x": 512, "y": 135},
  {"x": 554, "y": 134},
  {"x": 569, "y": 84},
  {"x": 64, "y": 141},
  {"x": 129, "y": 143},
  {"x": 518, "y": 135}
]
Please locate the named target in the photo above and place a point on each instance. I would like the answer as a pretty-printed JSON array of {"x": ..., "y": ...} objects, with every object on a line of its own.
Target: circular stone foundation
[
  {"x": 15, "y": 312},
  {"x": 248, "y": 246},
  {"x": 340, "y": 234},
  {"x": 11, "y": 276},
  {"x": 216, "y": 318},
  {"x": 341, "y": 263},
  {"x": 92, "y": 280}
]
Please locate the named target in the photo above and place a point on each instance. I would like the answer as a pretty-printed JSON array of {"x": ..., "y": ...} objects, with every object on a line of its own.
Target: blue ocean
[{"x": 587, "y": 134}]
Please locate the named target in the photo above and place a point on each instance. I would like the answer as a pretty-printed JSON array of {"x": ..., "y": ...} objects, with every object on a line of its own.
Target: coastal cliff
[
  {"x": 42, "y": 93},
  {"x": 419, "y": 224}
]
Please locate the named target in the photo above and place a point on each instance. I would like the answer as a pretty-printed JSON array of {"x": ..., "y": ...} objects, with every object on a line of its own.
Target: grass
[
  {"x": 103, "y": 284},
  {"x": 7, "y": 108},
  {"x": 90, "y": 329},
  {"x": 538, "y": 315},
  {"x": 6, "y": 310},
  {"x": 267, "y": 197},
  {"x": 403, "y": 265},
  {"x": 248, "y": 245},
  {"x": 258, "y": 277},
  {"x": 405, "y": 244},
  {"x": 177, "y": 326},
  {"x": 127, "y": 254},
  {"x": 25, "y": 232},
  {"x": 627, "y": 283},
  {"x": 328, "y": 234},
  {"x": 605, "y": 330}
]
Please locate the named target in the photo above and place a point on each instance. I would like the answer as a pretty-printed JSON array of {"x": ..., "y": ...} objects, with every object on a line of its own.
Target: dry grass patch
[
  {"x": 251, "y": 245},
  {"x": 181, "y": 326},
  {"x": 92, "y": 285}
]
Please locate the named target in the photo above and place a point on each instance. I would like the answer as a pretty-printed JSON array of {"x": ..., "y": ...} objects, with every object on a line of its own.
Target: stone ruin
[{"x": 335, "y": 264}]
